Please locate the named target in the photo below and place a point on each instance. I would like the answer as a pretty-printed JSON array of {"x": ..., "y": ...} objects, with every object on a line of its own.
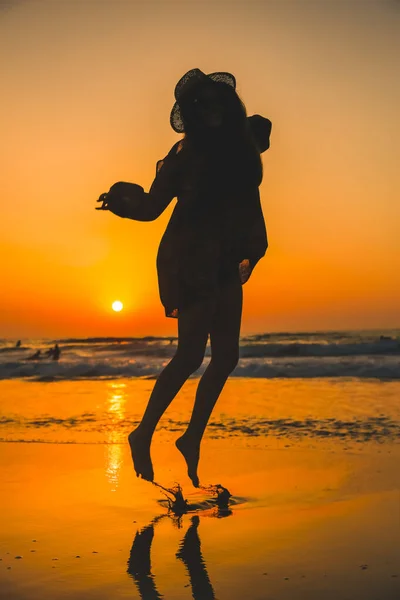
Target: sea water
[
  {"x": 360, "y": 354},
  {"x": 341, "y": 386}
]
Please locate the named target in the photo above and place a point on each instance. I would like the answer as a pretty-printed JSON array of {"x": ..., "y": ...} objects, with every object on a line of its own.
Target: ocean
[{"x": 359, "y": 354}]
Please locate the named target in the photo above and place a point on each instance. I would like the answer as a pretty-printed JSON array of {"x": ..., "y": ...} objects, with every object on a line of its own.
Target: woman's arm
[
  {"x": 256, "y": 243},
  {"x": 257, "y": 240},
  {"x": 130, "y": 201}
]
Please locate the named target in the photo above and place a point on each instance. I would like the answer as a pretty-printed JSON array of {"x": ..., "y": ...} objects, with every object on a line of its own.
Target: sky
[{"x": 86, "y": 92}]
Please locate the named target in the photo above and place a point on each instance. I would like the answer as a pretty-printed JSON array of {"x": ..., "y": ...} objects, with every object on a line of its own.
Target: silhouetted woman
[{"x": 214, "y": 239}]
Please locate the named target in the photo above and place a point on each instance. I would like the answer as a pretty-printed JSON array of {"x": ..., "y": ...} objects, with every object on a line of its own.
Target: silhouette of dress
[{"x": 216, "y": 231}]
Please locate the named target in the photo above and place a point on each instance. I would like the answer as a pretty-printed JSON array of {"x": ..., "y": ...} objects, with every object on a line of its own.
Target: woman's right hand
[
  {"x": 104, "y": 199},
  {"x": 117, "y": 200}
]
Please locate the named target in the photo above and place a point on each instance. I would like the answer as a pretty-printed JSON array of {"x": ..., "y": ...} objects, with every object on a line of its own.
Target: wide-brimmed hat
[{"x": 190, "y": 79}]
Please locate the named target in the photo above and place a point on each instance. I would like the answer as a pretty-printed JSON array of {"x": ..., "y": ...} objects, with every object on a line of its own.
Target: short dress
[{"x": 211, "y": 238}]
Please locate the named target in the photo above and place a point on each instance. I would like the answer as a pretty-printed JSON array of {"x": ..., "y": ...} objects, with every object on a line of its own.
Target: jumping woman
[{"x": 214, "y": 239}]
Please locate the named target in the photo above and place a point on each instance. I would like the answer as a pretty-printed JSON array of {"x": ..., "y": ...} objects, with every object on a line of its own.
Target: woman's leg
[
  {"x": 193, "y": 328},
  {"x": 224, "y": 337}
]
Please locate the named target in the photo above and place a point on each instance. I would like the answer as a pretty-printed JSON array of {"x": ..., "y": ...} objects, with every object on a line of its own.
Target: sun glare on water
[{"x": 117, "y": 306}]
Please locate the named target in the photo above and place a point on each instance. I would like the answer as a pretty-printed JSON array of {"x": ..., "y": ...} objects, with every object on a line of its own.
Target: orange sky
[{"x": 87, "y": 88}]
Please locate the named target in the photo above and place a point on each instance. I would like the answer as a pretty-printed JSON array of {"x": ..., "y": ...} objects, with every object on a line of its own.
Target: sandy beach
[{"x": 311, "y": 515}]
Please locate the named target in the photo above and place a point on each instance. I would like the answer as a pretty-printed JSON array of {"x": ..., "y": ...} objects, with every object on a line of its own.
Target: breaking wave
[
  {"x": 105, "y": 369},
  {"x": 269, "y": 355}
]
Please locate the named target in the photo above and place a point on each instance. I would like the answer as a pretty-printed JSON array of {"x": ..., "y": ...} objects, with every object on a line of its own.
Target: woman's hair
[{"x": 228, "y": 151}]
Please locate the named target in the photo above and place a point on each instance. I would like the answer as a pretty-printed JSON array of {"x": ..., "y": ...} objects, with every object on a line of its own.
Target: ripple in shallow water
[{"x": 378, "y": 429}]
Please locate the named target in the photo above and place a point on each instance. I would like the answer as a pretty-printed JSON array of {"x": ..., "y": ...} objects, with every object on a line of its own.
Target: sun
[{"x": 117, "y": 306}]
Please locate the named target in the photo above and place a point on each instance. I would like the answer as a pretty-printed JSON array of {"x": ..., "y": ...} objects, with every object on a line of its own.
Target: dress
[{"x": 212, "y": 235}]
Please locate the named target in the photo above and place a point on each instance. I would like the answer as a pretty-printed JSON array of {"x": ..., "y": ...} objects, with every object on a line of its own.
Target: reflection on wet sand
[
  {"x": 139, "y": 563},
  {"x": 190, "y": 554},
  {"x": 114, "y": 450}
]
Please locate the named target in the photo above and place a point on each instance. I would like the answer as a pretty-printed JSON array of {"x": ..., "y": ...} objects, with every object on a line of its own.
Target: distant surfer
[
  {"x": 36, "y": 356},
  {"x": 54, "y": 353},
  {"x": 18, "y": 344},
  {"x": 213, "y": 241}
]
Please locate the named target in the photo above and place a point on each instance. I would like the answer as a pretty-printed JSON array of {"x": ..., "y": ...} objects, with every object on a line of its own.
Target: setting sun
[{"x": 117, "y": 306}]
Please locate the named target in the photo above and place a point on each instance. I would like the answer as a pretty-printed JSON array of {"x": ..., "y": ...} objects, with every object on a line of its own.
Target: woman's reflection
[
  {"x": 139, "y": 563},
  {"x": 190, "y": 554}
]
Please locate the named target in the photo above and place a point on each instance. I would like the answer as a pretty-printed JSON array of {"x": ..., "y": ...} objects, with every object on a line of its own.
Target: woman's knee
[
  {"x": 227, "y": 362},
  {"x": 189, "y": 360}
]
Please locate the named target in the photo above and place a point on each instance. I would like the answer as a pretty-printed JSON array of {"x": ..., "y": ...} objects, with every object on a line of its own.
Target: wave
[
  {"x": 14, "y": 349},
  {"x": 382, "y": 347},
  {"x": 58, "y": 371},
  {"x": 249, "y": 348},
  {"x": 158, "y": 347},
  {"x": 383, "y": 368},
  {"x": 302, "y": 368}
]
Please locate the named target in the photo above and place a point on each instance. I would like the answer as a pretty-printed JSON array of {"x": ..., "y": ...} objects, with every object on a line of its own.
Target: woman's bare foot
[
  {"x": 190, "y": 450},
  {"x": 140, "y": 450}
]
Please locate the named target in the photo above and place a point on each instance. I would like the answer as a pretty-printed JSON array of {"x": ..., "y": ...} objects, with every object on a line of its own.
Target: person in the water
[
  {"x": 54, "y": 353},
  {"x": 214, "y": 239},
  {"x": 36, "y": 356}
]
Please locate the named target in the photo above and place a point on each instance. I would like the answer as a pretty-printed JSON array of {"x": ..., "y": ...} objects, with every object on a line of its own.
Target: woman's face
[
  {"x": 206, "y": 105},
  {"x": 209, "y": 106}
]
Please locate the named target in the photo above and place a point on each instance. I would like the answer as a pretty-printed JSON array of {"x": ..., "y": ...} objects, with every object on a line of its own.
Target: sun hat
[{"x": 186, "y": 82}]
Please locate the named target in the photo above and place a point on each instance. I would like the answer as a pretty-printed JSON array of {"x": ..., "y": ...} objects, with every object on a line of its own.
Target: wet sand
[{"x": 305, "y": 523}]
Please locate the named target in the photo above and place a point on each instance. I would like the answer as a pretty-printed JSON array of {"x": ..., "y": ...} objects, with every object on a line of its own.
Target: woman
[{"x": 214, "y": 239}]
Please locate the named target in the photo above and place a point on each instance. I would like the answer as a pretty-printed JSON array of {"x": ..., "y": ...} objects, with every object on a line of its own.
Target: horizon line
[{"x": 125, "y": 337}]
